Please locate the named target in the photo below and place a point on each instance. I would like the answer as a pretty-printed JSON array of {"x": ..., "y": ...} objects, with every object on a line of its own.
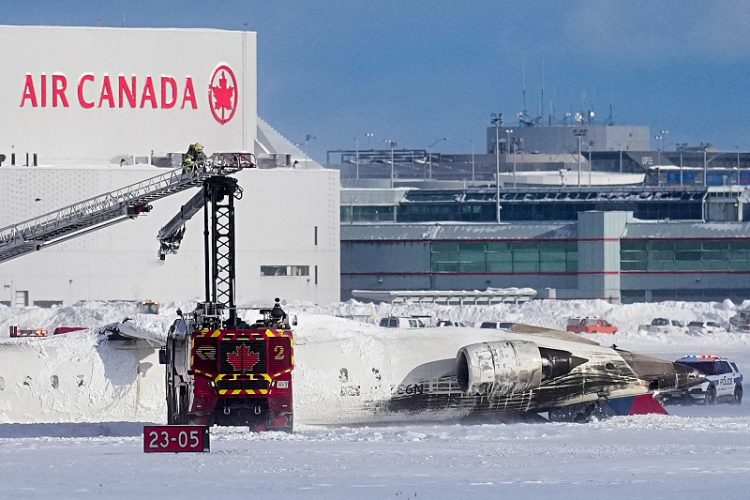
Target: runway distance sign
[{"x": 175, "y": 439}]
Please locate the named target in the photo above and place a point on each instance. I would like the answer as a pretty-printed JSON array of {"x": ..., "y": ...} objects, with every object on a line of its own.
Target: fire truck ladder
[
  {"x": 217, "y": 201},
  {"x": 110, "y": 208}
]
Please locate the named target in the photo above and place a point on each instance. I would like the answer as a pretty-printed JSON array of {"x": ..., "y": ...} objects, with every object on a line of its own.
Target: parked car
[
  {"x": 723, "y": 381},
  {"x": 148, "y": 307},
  {"x": 740, "y": 322},
  {"x": 67, "y": 329},
  {"x": 401, "y": 322},
  {"x": 577, "y": 324},
  {"x": 704, "y": 327},
  {"x": 447, "y": 322},
  {"x": 664, "y": 325},
  {"x": 497, "y": 325},
  {"x": 16, "y": 331}
]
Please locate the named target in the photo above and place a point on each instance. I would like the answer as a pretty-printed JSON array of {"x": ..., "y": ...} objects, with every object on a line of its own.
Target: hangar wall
[
  {"x": 74, "y": 94},
  {"x": 286, "y": 217}
]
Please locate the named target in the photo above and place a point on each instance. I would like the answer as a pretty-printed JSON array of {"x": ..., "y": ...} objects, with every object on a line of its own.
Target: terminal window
[
  {"x": 504, "y": 256},
  {"x": 285, "y": 270},
  {"x": 685, "y": 255}
]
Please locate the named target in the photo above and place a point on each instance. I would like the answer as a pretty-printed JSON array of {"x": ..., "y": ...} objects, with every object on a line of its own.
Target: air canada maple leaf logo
[
  {"x": 223, "y": 94},
  {"x": 243, "y": 359}
]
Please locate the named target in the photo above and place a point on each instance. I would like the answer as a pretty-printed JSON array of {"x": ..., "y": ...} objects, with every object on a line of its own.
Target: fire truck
[
  {"x": 15, "y": 331},
  {"x": 221, "y": 370}
]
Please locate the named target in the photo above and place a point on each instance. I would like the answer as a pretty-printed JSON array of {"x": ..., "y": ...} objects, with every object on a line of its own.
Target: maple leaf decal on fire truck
[
  {"x": 222, "y": 94},
  {"x": 243, "y": 359}
]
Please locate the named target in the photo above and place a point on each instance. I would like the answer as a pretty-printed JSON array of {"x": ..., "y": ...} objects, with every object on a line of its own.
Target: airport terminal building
[
  {"x": 620, "y": 243},
  {"x": 81, "y": 123},
  {"x": 601, "y": 255}
]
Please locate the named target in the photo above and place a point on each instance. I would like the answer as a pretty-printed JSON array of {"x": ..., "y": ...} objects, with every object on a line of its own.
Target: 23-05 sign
[{"x": 175, "y": 438}]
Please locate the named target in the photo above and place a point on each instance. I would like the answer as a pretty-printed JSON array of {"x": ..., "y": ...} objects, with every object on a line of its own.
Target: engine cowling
[
  {"x": 505, "y": 367},
  {"x": 498, "y": 368}
]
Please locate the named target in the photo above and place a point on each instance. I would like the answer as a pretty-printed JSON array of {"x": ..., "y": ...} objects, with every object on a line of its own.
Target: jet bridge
[{"x": 110, "y": 208}]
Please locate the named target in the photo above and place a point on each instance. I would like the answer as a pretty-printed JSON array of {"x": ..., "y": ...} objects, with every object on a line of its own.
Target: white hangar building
[{"x": 90, "y": 110}]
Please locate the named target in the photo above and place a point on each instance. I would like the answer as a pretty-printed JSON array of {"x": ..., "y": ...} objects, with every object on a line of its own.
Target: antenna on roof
[
  {"x": 552, "y": 107},
  {"x": 523, "y": 85},
  {"x": 524, "y": 120},
  {"x": 541, "y": 109}
]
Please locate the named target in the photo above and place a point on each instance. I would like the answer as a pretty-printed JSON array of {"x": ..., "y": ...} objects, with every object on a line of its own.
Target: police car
[{"x": 723, "y": 381}]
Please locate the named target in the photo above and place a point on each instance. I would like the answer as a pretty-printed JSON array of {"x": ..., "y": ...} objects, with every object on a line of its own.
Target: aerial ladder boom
[
  {"x": 110, "y": 208},
  {"x": 217, "y": 200},
  {"x": 170, "y": 236}
]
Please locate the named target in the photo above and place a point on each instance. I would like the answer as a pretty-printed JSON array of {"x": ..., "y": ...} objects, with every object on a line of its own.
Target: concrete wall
[
  {"x": 63, "y": 97},
  {"x": 599, "y": 253}
]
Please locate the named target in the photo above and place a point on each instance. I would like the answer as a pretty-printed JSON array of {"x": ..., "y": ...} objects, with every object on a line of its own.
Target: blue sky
[{"x": 415, "y": 71}]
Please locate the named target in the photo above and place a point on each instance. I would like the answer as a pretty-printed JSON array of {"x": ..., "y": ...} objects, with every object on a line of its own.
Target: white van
[
  {"x": 401, "y": 322},
  {"x": 496, "y": 325},
  {"x": 664, "y": 326}
]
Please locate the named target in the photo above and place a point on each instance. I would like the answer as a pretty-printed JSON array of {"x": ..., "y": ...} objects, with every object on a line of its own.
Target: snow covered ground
[{"x": 83, "y": 438}]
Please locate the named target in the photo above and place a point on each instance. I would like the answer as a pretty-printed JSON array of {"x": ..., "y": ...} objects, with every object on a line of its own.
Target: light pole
[
  {"x": 579, "y": 132},
  {"x": 391, "y": 144},
  {"x": 706, "y": 161},
  {"x": 681, "y": 170},
  {"x": 473, "y": 165},
  {"x": 356, "y": 157},
  {"x": 705, "y": 166},
  {"x": 356, "y": 145},
  {"x": 508, "y": 143},
  {"x": 497, "y": 120},
  {"x": 658, "y": 149},
  {"x": 738, "y": 164},
  {"x": 429, "y": 154},
  {"x": 660, "y": 138}
]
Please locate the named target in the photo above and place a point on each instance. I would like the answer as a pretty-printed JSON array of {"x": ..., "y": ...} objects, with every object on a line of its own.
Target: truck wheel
[
  {"x": 171, "y": 403},
  {"x": 182, "y": 417},
  {"x": 711, "y": 395},
  {"x": 737, "y": 400}
]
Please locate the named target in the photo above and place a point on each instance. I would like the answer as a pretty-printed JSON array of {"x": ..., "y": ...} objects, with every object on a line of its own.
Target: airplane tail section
[{"x": 643, "y": 404}]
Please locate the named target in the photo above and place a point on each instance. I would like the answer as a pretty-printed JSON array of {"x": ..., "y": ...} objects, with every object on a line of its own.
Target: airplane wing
[{"x": 550, "y": 333}]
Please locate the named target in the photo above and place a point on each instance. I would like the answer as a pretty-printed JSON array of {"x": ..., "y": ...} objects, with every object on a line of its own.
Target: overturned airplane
[
  {"x": 380, "y": 375},
  {"x": 451, "y": 373}
]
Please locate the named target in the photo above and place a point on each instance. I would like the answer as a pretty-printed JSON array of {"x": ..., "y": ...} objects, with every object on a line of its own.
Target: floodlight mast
[{"x": 497, "y": 120}]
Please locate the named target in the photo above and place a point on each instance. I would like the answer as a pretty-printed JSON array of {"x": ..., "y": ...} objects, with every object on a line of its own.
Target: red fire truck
[{"x": 221, "y": 370}]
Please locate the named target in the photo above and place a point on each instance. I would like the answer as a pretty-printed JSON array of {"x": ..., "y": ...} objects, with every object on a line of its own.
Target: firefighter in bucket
[{"x": 194, "y": 159}]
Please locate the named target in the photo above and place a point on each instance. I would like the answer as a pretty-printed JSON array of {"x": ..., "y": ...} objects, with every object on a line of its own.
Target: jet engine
[{"x": 505, "y": 367}]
